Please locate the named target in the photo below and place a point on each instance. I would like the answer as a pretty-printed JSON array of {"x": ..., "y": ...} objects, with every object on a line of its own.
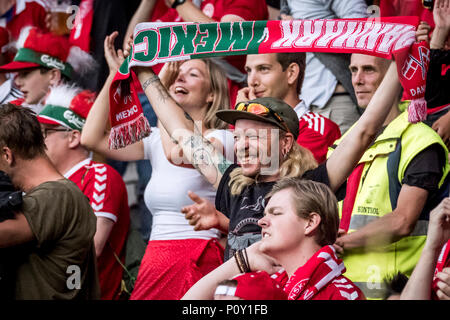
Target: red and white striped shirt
[
  {"x": 108, "y": 197},
  {"x": 316, "y": 132}
]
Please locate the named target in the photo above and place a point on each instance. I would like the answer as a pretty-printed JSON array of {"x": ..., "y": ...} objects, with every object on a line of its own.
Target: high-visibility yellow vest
[{"x": 385, "y": 163}]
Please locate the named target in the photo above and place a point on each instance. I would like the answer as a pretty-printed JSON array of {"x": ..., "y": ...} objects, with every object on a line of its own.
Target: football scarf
[
  {"x": 350, "y": 196},
  {"x": 163, "y": 42},
  {"x": 321, "y": 269}
]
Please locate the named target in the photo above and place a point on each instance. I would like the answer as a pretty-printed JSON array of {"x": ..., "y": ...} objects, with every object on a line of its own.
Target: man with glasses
[{"x": 62, "y": 120}]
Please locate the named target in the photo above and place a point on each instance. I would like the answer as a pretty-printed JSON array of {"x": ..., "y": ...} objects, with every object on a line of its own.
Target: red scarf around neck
[{"x": 320, "y": 270}]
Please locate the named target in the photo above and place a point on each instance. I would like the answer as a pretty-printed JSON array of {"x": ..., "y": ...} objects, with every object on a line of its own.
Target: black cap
[{"x": 281, "y": 108}]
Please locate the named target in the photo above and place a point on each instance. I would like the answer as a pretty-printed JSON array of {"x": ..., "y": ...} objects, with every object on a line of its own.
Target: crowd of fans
[{"x": 306, "y": 182}]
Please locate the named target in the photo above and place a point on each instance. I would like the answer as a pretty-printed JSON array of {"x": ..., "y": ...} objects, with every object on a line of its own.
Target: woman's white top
[{"x": 166, "y": 192}]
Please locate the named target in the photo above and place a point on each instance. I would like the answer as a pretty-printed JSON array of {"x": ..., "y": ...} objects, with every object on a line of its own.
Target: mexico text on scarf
[{"x": 163, "y": 42}]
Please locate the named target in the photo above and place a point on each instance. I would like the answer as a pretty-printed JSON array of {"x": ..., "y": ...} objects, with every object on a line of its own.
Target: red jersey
[
  {"x": 108, "y": 197},
  {"x": 317, "y": 133},
  {"x": 341, "y": 288},
  {"x": 26, "y": 13},
  {"x": 320, "y": 278}
]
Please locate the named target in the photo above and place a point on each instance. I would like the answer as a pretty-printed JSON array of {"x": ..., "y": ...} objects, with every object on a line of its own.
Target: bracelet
[
  {"x": 238, "y": 262},
  {"x": 149, "y": 81},
  {"x": 246, "y": 260},
  {"x": 245, "y": 265}
]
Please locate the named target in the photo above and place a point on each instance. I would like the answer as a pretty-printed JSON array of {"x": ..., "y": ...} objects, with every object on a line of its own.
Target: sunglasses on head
[{"x": 260, "y": 110}]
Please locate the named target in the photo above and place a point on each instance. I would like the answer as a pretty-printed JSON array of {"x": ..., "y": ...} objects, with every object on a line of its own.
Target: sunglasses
[{"x": 260, "y": 110}]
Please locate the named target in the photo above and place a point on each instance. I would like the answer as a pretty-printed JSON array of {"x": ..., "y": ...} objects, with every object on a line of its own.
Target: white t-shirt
[
  {"x": 8, "y": 92},
  {"x": 166, "y": 192}
]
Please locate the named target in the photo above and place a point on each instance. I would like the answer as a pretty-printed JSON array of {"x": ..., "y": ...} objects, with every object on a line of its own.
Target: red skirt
[{"x": 170, "y": 268}]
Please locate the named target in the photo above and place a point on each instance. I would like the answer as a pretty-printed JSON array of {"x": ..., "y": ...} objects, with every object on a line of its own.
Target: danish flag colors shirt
[
  {"x": 316, "y": 132},
  {"x": 320, "y": 278},
  {"x": 108, "y": 197}
]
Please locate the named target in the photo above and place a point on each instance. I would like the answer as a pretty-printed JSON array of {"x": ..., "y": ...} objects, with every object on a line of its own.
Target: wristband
[
  {"x": 176, "y": 3},
  {"x": 238, "y": 262},
  {"x": 244, "y": 262}
]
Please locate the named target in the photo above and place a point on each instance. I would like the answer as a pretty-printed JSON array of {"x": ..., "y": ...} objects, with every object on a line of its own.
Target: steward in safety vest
[{"x": 372, "y": 192}]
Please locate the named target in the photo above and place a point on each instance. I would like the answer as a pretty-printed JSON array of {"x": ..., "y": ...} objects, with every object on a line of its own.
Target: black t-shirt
[
  {"x": 244, "y": 210},
  {"x": 425, "y": 170},
  {"x": 438, "y": 79}
]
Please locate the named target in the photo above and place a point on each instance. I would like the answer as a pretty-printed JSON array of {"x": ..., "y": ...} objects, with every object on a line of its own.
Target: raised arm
[
  {"x": 418, "y": 286},
  {"x": 200, "y": 152},
  {"x": 441, "y": 17},
  {"x": 190, "y": 12},
  {"x": 350, "y": 150},
  {"x": 95, "y": 133},
  {"x": 142, "y": 14}
]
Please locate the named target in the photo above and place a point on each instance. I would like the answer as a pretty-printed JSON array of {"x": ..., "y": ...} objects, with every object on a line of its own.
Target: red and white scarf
[
  {"x": 320, "y": 270},
  {"x": 163, "y": 42}
]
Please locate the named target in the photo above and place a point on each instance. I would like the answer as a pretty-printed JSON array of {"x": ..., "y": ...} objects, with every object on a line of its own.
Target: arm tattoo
[
  {"x": 163, "y": 94},
  {"x": 149, "y": 81},
  {"x": 205, "y": 157}
]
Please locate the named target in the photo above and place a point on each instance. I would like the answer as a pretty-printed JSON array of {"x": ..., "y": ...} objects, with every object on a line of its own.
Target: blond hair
[
  {"x": 221, "y": 100},
  {"x": 297, "y": 162},
  {"x": 311, "y": 196}
]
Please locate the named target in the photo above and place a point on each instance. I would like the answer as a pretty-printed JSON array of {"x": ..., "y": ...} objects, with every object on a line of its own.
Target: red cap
[
  {"x": 46, "y": 43},
  {"x": 67, "y": 106},
  {"x": 82, "y": 103},
  {"x": 37, "y": 48},
  {"x": 14, "y": 66}
]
